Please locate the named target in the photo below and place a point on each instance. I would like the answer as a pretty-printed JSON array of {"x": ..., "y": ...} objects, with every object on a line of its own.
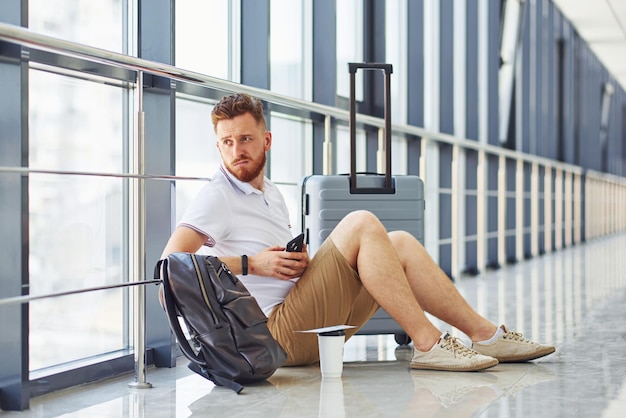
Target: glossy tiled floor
[{"x": 574, "y": 298}]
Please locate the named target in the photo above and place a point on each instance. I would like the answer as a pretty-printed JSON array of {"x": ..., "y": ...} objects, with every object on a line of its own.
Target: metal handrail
[
  {"x": 26, "y": 299},
  {"x": 23, "y": 36},
  {"x": 26, "y": 171}
]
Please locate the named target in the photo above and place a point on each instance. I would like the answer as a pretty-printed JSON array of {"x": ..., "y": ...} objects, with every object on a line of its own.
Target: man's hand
[{"x": 278, "y": 263}]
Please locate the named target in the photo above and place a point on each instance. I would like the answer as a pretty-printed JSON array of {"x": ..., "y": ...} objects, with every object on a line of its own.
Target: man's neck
[{"x": 259, "y": 182}]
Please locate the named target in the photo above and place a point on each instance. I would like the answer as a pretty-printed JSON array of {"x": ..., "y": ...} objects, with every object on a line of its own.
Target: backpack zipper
[
  {"x": 203, "y": 289},
  {"x": 224, "y": 269}
]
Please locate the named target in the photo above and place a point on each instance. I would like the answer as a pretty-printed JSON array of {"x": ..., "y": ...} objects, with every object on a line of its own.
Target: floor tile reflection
[{"x": 574, "y": 298}]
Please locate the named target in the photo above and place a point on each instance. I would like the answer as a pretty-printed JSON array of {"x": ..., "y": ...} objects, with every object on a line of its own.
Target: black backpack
[{"x": 232, "y": 344}]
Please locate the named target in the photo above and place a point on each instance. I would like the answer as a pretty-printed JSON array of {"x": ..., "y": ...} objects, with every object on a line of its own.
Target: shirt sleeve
[{"x": 208, "y": 214}]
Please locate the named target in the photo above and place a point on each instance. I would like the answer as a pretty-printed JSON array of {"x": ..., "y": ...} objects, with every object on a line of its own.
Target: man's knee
[
  {"x": 402, "y": 238},
  {"x": 363, "y": 218},
  {"x": 355, "y": 226}
]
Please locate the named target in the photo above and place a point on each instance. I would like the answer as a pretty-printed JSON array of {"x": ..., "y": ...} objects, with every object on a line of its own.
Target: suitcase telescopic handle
[{"x": 387, "y": 69}]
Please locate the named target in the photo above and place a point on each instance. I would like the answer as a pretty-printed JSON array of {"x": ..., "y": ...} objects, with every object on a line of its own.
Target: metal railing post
[
  {"x": 534, "y": 209},
  {"x": 519, "y": 210},
  {"x": 558, "y": 209},
  {"x": 548, "y": 204},
  {"x": 455, "y": 267},
  {"x": 140, "y": 243},
  {"x": 481, "y": 211},
  {"x": 502, "y": 205},
  {"x": 327, "y": 157}
]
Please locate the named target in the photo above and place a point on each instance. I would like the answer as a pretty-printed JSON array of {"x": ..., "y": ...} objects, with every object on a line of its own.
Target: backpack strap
[
  {"x": 172, "y": 317},
  {"x": 216, "y": 378}
]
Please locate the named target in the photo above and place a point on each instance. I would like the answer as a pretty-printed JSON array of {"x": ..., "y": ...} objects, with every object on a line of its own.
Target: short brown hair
[{"x": 235, "y": 105}]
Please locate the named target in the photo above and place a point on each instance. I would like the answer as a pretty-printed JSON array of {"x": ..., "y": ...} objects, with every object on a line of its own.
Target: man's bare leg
[
  {"x": 434, "y": 291},
  {"x": 364, "y": 242},
  {"x": 399, "y": 274}
]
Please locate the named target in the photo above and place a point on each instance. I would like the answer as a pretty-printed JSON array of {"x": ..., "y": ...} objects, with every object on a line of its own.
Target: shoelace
[
  {"x": 451, "y": 343},
  {"x": 517, "y": 336}
]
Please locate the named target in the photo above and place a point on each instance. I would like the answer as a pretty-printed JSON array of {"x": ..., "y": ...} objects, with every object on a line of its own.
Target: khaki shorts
[{"x": 328, "y": 293}]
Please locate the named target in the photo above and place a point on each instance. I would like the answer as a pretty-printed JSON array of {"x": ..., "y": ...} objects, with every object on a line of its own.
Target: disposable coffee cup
[{"x": 331, "y": 352}]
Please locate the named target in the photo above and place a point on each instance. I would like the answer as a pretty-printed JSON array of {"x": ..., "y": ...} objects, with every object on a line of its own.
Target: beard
[{"x": 247, "y": 174}]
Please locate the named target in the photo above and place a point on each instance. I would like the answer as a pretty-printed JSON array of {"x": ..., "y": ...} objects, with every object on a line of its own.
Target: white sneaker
[
  {"x": 512, "y": 347},
  {"x": 450, "y": 354}
]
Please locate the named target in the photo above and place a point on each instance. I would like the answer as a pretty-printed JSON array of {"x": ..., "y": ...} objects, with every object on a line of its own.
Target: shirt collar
[{"x": 245, "y": 187}]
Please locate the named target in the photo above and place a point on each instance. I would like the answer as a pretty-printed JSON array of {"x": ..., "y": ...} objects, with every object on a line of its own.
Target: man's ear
[{"x": 268, "y": 140}]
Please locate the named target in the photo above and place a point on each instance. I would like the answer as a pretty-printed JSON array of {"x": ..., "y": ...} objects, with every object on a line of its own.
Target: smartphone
[{"x": 295, "y": 245}]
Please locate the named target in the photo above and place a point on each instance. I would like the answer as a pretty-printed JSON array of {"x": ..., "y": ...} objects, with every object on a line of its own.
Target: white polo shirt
[{"x": 239, "y": 219}]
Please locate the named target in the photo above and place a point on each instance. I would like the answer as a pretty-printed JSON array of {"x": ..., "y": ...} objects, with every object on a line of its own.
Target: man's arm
[
  {"x": 189, "y": 240},
  {"x": 271, "y": 262},
  {"x": 183, "y": 239}
]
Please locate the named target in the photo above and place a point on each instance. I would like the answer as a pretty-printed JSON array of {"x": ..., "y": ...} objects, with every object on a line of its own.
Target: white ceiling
[{"x": 602, "y": 24}]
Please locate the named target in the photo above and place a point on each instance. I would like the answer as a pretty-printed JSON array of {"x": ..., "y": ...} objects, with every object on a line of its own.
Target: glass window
[
  {"x": 77, "y": 231},
  {"x": 509, "y": 45},
  {"x": 94, "y": 23},
  {"x": 207, "y": 37},
  {"x": 291, "y": 160},
  {"x": 290, "y": 49},
  {"x": 342, "y": 153},
  {"x": 196, "y": 152},
  {"x": 399, "y": 155},
  {"x": 349, "y": 23},
  {"x": 396, "y": 54},
  {"x": 399, "y": 152}
]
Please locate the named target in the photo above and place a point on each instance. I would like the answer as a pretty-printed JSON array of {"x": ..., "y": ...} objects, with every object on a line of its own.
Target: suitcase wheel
[{"x": 402, "y": 338}]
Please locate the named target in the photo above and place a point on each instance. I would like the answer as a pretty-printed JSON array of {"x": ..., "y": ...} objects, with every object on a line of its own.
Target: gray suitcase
[{"x": 398, "y": 201}]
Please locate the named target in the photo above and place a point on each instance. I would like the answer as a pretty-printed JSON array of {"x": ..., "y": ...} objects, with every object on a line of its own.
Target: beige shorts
[{"x": 328, "y": 293}]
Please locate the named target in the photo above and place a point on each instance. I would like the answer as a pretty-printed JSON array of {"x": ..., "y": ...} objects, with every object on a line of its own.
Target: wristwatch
[{"x": 244, "y": 265}]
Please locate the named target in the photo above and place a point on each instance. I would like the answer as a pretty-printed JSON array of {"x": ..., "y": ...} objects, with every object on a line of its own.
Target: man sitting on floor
[{"x": 242, "y": 218}]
